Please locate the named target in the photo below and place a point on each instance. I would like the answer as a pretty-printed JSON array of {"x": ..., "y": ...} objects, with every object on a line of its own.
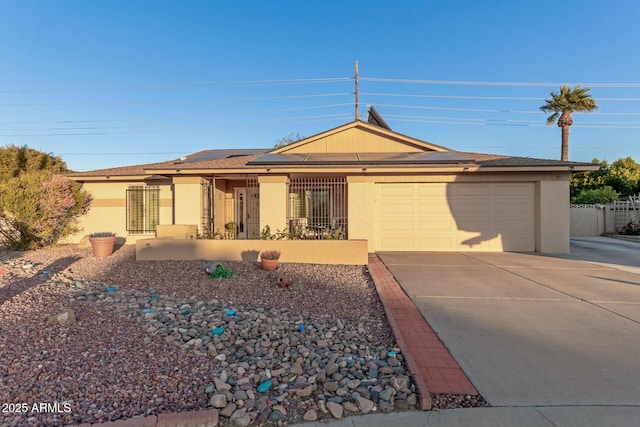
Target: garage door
[{"x": 455, "y": 217}]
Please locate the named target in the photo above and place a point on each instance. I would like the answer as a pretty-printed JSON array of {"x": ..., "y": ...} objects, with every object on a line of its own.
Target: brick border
[{"x": 431, "y": 365}]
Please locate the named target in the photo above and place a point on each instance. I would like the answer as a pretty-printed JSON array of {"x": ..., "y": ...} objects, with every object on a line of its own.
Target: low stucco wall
[
  {"x": 351, "y": 252},
  {"x": 177, "y": 231}
]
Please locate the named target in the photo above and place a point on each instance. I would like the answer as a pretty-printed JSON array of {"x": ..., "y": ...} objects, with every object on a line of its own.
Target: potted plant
[
  {"x": 102, "y": 243},
  {"x": 269, "y": 259}
]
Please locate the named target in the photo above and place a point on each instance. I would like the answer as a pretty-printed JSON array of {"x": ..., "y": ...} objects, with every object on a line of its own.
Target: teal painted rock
[
  {"x": 230, "y": 312},
  {"x": 218, "y": 331},
  {"x": 265, "y": 386}
]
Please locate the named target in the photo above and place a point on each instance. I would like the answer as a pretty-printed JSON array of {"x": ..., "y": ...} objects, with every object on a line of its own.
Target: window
[
  {"x": 317, "y": 208},
  {"x": 143, "y": 209}
]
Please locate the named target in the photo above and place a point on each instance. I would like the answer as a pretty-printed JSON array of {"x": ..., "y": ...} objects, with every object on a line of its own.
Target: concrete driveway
[{"x": 533, "y": 330}]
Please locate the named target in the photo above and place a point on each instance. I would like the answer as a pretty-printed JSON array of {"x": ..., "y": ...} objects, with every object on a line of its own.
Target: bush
[
  {"x": 602, "y": 195},
  {"x": 39, "y": 208}
]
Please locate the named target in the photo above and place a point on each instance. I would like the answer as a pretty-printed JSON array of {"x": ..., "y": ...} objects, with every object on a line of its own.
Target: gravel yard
[{"x": 157, "y": 336}]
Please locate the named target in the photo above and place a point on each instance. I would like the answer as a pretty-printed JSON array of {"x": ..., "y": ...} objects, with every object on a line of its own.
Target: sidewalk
[{"x": 589, "y": 416}]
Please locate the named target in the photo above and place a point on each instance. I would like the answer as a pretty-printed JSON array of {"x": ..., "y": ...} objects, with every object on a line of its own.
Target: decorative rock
[
  {"x": 335, "y": 409},
  {"x": 240, "y": 418},
  {"x": 310, "y": 415},
  {"x": 349, "y": 406},
  {"x": 331, "y": 369},
  {"x": 385, "y": 406},
  {"x": 365, "y": 405},
  {"x": 276, "y": 416},
  {"x": 221, "y": 386},
  {"x": 412, "y": 399},
  {"x": 296, "y": 368},
  {"x": 218, "y": 401},
  {"x": 265, "y": 386},
  {"x": 304, "y": 392},
  {"x": 331, "y": 386},
  {"x": 65, "y": 318},
  {"x": 228, "y": 410},
  {"x": 386, "y": 394},
  {"x": 401, "y": 404}
]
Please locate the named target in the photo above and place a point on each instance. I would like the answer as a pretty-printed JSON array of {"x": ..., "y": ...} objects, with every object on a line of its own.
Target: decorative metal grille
[
  {"x": 143, "y": 209},
  {"x": 317, "y": 208},
  {"x": 253, "y": 207},
  {"x": 207, "y": 217}
]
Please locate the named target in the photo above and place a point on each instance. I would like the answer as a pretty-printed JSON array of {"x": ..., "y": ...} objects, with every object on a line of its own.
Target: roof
[{"x": 260, "y": 159}]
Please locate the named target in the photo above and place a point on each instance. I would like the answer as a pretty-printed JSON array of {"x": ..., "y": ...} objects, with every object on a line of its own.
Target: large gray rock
[
  {"x": 240, "y": 418},
  {"x": 218, "y": 401}
]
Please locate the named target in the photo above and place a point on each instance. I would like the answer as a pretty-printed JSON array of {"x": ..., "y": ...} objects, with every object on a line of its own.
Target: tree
[
  {"x": 562, "y": 104},
  {"x": 16, "y": 160},
  {"x": 289, "y": 139},
  {"x": 623, "y": 176},
  {"x": 39, "y": 208}
]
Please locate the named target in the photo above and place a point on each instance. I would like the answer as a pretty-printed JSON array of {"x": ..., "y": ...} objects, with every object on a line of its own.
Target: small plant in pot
[
  {"x": 102, "y": 243},
  {"x": 269, "y": 259}
]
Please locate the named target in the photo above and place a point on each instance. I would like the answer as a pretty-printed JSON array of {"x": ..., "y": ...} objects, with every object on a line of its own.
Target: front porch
[{"x": 271, "y": 207}]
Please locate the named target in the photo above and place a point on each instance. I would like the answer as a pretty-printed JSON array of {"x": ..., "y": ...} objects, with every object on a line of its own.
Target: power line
[
  {"x": 196, "y": 82},
  {"x": 183, "y": 101},
  {"x": 502, "y": 98},
  {"x": 483, "y": 110},
  {"x": 184, "y": 116},
  {"x": 151, "y": 89},
  {"x": 300, "y": 119},
  {"x": 510, "y": 84}
]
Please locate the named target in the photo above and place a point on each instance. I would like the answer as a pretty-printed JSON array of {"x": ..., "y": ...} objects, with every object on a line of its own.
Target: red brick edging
[{"x": 431, "y": 365}]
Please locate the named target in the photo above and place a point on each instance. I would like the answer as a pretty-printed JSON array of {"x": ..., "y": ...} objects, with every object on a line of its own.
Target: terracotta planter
[
  {"x": 269, "y": 264},
  {"x": 102, "y": 246}
]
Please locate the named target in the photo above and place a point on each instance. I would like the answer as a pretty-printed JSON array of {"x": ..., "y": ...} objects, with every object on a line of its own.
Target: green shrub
[
  {"x": 39, "y": 208},
  {"x": 601, "y": 195}
]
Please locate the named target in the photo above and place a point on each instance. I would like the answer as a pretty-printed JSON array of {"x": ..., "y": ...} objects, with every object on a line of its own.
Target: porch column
[
  {"x": 361, "y": 209},
  {"x": 553, "y": 223},
  {"x": 273, "y": 201},
  {"x": 187, "y": 200}
]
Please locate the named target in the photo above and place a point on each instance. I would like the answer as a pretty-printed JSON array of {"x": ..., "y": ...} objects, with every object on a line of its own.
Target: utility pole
[{"x": 357, "y": 117}]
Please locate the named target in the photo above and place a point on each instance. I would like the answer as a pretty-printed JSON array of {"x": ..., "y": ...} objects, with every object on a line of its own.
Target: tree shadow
[{"x": 42, "y": 275}]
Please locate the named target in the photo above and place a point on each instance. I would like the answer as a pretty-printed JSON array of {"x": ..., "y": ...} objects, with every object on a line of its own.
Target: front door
[{"x": 240, "y": 197}]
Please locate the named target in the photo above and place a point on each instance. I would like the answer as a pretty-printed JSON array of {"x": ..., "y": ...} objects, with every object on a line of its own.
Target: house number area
[{"x": 41, "y": 407}]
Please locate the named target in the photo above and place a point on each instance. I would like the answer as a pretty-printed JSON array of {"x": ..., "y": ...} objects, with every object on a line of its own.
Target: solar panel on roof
[
  {"x": 432, "y": 157},
  {"x": 222, "y": 154},
  {"x": 442, "y": 157}
]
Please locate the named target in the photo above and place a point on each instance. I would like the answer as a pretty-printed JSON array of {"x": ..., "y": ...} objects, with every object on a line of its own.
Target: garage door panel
[
  {"x": 470, "y": 190},
  {"x": 514, "y": 190},
  {"x": 455, "y": 216}
]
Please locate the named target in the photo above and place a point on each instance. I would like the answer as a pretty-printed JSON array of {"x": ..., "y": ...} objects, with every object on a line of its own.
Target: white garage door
[{"x": 455, "y": 217}]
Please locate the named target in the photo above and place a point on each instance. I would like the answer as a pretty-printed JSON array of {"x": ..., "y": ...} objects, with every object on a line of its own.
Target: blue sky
[{"x": 112, "y": 83}]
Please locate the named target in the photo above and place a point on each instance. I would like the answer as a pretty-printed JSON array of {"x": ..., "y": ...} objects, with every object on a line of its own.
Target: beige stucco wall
[
  {"x": 350, "y": 252},
  {"x": 187, "y": 199},
  {"x": 360, "y": 210},
  {"x": 108, "y": 210},
  {"x": 273, "y": 201},
  {"x": 553, "y": 224}
]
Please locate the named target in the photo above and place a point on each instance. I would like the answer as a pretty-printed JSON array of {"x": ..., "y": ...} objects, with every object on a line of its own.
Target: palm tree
[{"x": 564, "y": 103}]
